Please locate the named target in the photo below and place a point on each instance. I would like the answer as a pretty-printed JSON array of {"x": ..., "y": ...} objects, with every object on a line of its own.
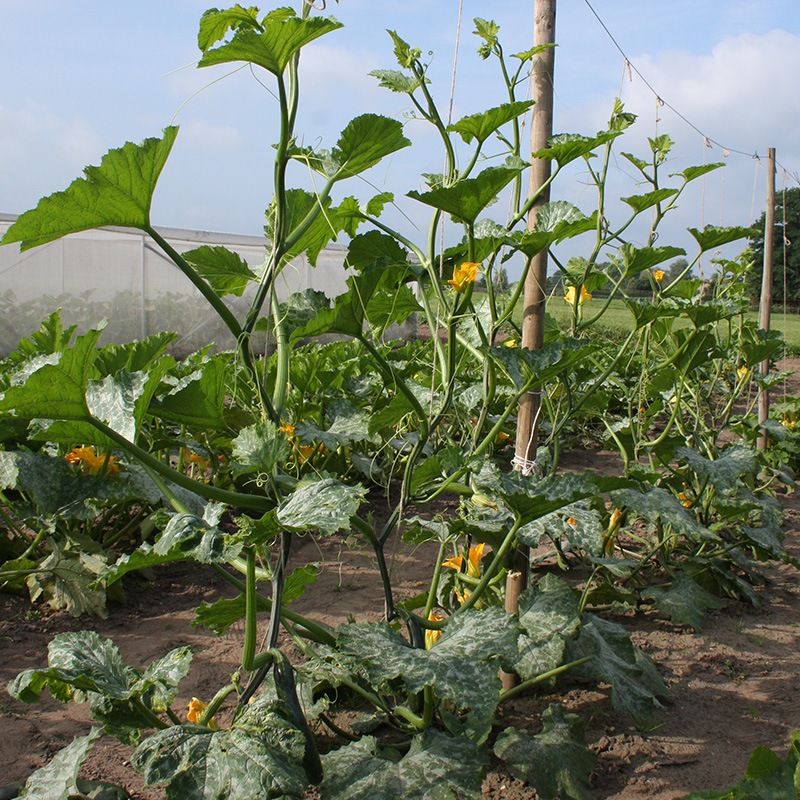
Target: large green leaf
[
  {"x": 365, "y": 141},
  {"x": 712, "y": 237},
  {"x": 692, "y": 173},
  {"x": 215, "y": 23},
  {"x": 578, "y": 523},
  {"x": 226, "y": 272},
  {"x": 54, "y": 386},
  {"x": 635, "y": 684},
  {"x": 561, "y": 220},
  {"x": 396, "y": 81},
  {"x": 566, "y": 147},
  {"x": 53, "y": 487},
  {"x": 467, "y": 198},
  {"x": 198, "y": 399},
  {"x": 326, "y": 505},
  {"x": 684, "y": 602},
  {"x": 81, "y": 662},
  {"x": 118, "y": 192},
  {"x": 533, "y": 499},
  {"x": 348, "y": 424},
  {"x": 310, "y": 223},
  {"x": 347, "y": 314},
  {"x": 724, "y": 473},
  {"x": 260, "y": 755},
  {"x": 375, "y": 247},
  {"x": 481, "y": 126},
  {"x": 57, "y": 780},
  {"x": 556, "y": 762},
  {"x": 659, "y": 504},
  {"x": 221, "y": 614},
  {"x": 638, "y": 259},
  {"x": 532, "y": 368},
  {"x": 549, "y": 613},
  {"x": 461, "y": 667},
  {"x": 436, "y": 767},
  {"x": 641, "y": 202},
  {"x": 258, "y": 448},
  {"x": 139, "y": 356},
  {"x": 283, "y": 35},
  {"x": 196, "y": 539}
]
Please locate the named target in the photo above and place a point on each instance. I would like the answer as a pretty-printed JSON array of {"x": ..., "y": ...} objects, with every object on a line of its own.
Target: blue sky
[{"x": 82, "y": 76}]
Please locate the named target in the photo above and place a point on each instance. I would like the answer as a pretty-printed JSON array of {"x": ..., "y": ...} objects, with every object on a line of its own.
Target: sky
[{"x": 83, "y": 76}]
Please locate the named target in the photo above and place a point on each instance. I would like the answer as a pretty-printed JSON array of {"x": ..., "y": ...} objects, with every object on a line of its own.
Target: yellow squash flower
[
  {"x": 303, "y": 451},
  {"x": 288, "y": 429},
  {"x": 570, "y": 295},
  {"x": 742, "y": 372},
  {"x": 91, "y": 461},
  {"x": 464, "y": 275},
  {"x": 195, "y": 458},
  {"x": 194, "y": 713},
  {"x": 431, "y": 635},
  {"x": 614, "y": 523},
  {"x": 473, "y": 561},
  {"x": 658, "y": 275}
]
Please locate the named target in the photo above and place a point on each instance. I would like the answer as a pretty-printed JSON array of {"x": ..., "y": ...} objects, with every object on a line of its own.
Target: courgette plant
[{"x": 296, "y": 440}]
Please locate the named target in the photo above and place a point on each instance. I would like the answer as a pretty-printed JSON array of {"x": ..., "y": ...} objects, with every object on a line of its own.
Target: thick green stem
[
  {"x": 514, "y": 691},
  {"x": 205, "y": 490}
]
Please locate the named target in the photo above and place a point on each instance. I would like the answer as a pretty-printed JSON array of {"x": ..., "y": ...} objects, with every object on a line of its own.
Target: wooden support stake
[
  {"x": 765, "y": 306},
  {"x": 544, "y": 31}
]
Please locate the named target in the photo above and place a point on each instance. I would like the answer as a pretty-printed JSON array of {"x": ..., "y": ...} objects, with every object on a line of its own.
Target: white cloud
[
  {"x": 743, "y": 94},
  {"x": 33, "y": 130},
  {"x": 42, "y": 153},
  {"x": 210, "y": 136}
]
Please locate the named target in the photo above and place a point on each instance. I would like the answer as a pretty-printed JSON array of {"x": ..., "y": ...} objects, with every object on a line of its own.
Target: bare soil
[{"x": 734, "y": 686}]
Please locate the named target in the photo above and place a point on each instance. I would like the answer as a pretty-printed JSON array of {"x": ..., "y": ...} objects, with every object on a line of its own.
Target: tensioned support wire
[{"x": 631, "y": 68}]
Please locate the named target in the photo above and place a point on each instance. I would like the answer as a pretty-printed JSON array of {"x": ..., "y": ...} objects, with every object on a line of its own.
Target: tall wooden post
[
  {"x": 765, "y": 306},
  {"x": 544, "y": 31},
  {"x": 534, "y": 294}
]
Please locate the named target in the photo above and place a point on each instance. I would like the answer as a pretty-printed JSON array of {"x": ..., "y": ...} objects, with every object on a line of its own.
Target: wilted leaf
[
  {"x": 684, "y": 602},
  {"x": 57, "y": 779},
  {"x": 556, "y": 762},
  {"x": 436, "y": 767},
  {"x": 260, "y": 755},
  {"x": 635, "y": 685}
]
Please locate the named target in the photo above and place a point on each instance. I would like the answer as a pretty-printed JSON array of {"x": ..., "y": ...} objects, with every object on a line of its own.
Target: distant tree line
[{"x": 785, "y": 244}]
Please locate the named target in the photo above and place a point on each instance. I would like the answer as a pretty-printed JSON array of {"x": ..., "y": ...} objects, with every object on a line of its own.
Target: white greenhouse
[{"x": 120, "y": 275}]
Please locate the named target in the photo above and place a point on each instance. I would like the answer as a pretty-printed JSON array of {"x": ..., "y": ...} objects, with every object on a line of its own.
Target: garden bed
[{"x": 734, "y": 686}]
